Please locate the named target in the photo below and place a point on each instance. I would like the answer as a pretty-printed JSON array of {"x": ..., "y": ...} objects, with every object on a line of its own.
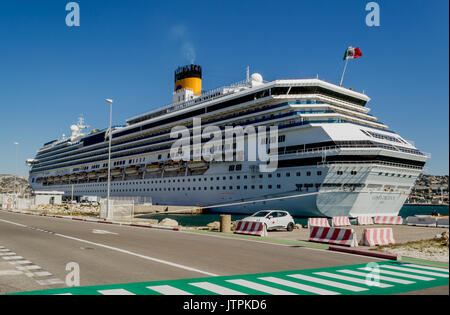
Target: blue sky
[{"x": 128, "y": 50}]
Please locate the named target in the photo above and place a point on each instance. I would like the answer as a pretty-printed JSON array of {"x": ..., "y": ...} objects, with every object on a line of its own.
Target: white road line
[
  {"x": 50, "y": 282},
  {"x": 14, "y": 223},
  {"x": 398, "y": 274},
  {"x": 216, "y": 288},
  {"x": 42, "y": 274},
  {"x": 329, "y": 283},
  {"x": 168, "y": 290},
  {"x": 427, "y": 267},
  {"x": 10, "y": 272},
  {"x": 12, "y": 257},
  {"x": 32, "y": 267},
  {"x": 127, "y": 252},
  {"x": 299, "y": 286},
  {"x": 115, "y": 292},
  {"x": 21, "y": 262},
  {"x": 423, "y": 272},
  {"x": 352, "y": 279},
  {"x": 260, "y": 287},
  {"x": 384, "y": 278}
]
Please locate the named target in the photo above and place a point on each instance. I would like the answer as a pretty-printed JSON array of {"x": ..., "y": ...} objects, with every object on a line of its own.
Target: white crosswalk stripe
[
  {"x": 384, "y": 278},
  {"x": 168, "y": 290},
  {"x": 8, "y": 254},
  {"x": 216, "y": 288},
  {"x": 260, "y": 287},
  {"x": 115, "y": 292},
  {"x": 330, "y": 283},
  {"x": 423, "y": 272},
  {"x": 12, "y": 257},
  {"x": 299, "y": 286},
  {"x": 398, "y": 274},
  {"x": 10, "y": 273},
  {"x": 353, "y": 279}
]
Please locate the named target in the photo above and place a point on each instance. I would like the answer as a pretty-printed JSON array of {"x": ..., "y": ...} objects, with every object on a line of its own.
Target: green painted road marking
[
  {"x": 344, "y": 280},
  {"x": 257, "y": 238},
  {"x": 426, "y": 262}
]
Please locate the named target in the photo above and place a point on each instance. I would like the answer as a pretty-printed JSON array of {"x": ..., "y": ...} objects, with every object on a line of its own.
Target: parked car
[{"x": 273, "y": 219}]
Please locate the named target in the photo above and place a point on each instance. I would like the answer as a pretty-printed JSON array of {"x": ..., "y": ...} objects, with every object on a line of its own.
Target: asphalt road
[{"x": 129, "y": 254}]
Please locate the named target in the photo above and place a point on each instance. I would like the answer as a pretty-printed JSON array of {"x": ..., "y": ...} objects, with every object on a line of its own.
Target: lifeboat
[
  {"x": 73, "y": 176},
  {"x": 153, "y": 168},
  {"x": 198, "y": 165},
  {"x": 131, "y": 170},
  {"x": 172, "y": 167},
  {"x": 102, "y": 174},
  {"x": 82, "y": 175},
  {"x": 116, "y": 172},
  {"x": 92, "y": 174}
]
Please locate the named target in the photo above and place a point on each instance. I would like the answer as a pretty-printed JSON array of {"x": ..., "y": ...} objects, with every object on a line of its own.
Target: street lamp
[
  {"x": 108, "y": 210},
  {"x": 15, "y": 172}
]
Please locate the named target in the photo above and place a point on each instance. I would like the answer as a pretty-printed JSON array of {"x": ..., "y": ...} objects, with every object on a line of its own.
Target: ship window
[
  {"x": 309, "y": 173},
  {"x": 340, "y": 173},
  {"x": 288, "y": 174},
  {"x": 319, "y": 173},
  {"x": 231, "y": 168},
  {"x": 299, "y": 174},
  {"x": 239, "y": 167}
]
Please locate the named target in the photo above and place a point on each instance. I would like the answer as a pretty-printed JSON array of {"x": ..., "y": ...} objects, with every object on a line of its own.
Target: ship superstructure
[{"x": 334, "y": 157}]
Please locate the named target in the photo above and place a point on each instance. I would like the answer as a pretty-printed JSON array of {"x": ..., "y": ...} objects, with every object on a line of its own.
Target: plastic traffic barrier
[
  {"x": 421, "y": 221},
  {"x": 337, "y": 236},
  {"x": 365, "y": 220},
  {"x": 251, "y": 228},
  {"x": 340, "y": 221},
  {"x": 442, "y": 222},
  {"x": 377, "y": 237},
  {"x": 388, "y": 220},
  {"x": 318, "y": 222}
]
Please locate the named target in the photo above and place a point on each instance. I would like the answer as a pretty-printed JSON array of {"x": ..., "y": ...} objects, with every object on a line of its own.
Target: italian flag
[{"x": 352, "y": 53}]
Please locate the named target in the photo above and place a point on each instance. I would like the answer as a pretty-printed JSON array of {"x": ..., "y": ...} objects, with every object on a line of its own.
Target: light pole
[
  {"x": 108, "y": 210},
  {"x": 15, "y": 172}
]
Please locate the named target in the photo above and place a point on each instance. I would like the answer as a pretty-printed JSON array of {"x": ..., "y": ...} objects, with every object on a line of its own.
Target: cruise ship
[{"x": 334, "y": 158}]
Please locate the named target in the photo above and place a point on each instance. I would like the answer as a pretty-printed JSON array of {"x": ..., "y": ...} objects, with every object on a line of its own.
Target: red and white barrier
[
  {"x": 251, "y": 228},
  {"x": 339, "y": 236},
  {"x": 421, "y": 221},
  {"x": 378, "y": 236},
  {"x": 442, "y": 222},
  {"x": 323, "y": 222},
  {"x": 388, "y": 220},
  {"x": 365, "y": 220},
  {"x": 340, "y": 221}
]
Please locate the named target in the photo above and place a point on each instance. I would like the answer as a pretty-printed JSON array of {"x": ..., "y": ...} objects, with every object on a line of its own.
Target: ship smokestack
[{"x": 189, "y": 77}]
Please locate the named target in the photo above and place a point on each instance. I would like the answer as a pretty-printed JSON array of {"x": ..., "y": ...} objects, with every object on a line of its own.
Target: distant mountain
[{"x": 7, "y": 185}]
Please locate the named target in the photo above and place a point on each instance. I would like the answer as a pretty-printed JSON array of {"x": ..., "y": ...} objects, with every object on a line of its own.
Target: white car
[{"x": 273, "y": 219}]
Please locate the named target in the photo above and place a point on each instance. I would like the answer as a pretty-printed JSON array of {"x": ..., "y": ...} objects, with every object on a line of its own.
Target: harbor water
[{"x": 203, "y": 219}]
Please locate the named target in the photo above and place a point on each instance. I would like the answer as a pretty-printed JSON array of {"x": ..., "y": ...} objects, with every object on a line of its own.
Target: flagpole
[{"x": 343, "y": 74}]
